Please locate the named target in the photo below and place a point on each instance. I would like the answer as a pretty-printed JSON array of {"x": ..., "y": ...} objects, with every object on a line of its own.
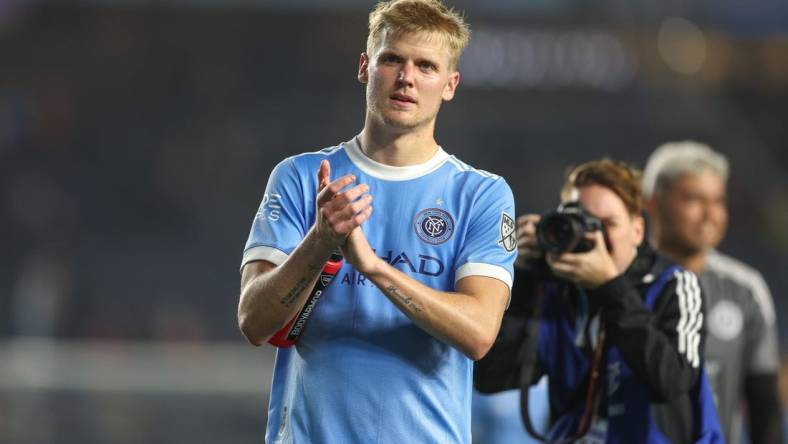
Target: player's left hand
[
  {"x": 589, "y": 269},
  {"x": 358, "y": 253},
  {"x": 340, "y": 207}
]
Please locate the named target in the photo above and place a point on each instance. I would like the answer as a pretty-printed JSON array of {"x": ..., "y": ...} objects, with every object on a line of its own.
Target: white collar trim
[{"x": 388, "y": 172}]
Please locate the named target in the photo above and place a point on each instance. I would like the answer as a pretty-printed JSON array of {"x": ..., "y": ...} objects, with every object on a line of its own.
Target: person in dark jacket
[{"x": 621, "y": 329}]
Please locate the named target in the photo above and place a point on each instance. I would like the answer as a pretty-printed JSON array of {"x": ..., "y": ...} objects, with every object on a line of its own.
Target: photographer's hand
[
  {"x": 527, "y": 244},
  {"x": 590, "y": 269}
]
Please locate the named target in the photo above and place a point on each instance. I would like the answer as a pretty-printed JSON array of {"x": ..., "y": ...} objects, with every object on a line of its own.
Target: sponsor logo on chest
[{"x": 413, "y": 263}]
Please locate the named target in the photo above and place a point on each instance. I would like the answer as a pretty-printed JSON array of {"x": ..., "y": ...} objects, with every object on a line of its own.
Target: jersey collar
[{"x": 388, "y": 172}]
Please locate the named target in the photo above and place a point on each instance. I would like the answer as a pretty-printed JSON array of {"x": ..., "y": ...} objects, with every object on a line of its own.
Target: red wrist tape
[{"x": 288, "y": 335}]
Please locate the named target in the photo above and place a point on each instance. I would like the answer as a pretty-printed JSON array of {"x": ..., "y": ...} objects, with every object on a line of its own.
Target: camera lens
[
  {"x": 565, "y": 228},
  {"x": 558, "y": 233}
]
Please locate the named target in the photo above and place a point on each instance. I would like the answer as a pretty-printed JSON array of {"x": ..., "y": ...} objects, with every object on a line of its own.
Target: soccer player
[
  {"x": 685, "y": 186},
  {"x": 387, "y": 354}
]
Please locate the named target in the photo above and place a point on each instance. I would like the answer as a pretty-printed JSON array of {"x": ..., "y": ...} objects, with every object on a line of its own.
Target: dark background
[{"x": 136, "y": 139}]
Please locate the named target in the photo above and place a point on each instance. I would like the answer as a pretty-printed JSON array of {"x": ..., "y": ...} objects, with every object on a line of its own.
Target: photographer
[{"x": 620, "y": 331}]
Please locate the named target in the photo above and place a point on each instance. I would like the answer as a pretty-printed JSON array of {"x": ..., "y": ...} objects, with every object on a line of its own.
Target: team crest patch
[
  {"x": 725, "y": 320},
  {"x": 508, "y": 238},
  {"x": 434, "y": 226}
]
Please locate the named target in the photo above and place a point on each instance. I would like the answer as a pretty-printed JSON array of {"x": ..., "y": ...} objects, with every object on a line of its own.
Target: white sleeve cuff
[
  {"x": 263, "y": 253},
  {"x": 480, "y": 269}
]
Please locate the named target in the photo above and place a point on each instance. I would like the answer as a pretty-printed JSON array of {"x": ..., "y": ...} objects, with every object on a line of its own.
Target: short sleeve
[
  {"x": 490, "y": 245},
  {"x": 280, "y": 223}
]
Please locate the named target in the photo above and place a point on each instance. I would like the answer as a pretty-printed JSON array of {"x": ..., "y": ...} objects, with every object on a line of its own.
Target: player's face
[
  {"x": 624, "y": 231},
  {"x": 407, "y": 78},
  {"x": 692, "y": 213}
]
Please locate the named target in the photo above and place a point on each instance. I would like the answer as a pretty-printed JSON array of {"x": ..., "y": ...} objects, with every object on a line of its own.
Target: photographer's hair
[
  {"x": 672, "y": 160},
  {"x": 622, "y": 179},
  {"x": 399, "y": 17}
]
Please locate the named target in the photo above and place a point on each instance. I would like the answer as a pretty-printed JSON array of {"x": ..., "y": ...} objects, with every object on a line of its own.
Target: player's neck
[
  {"x": 403, "y": 148},
  {"x": 689, "y": 259},
  {"x": 694, "y": 263}
]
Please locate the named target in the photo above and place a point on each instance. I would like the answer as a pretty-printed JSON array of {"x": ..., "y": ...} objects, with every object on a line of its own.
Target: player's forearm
[
  {"x": 270, "y": 299},
  {"x": 456, "y": 318}
]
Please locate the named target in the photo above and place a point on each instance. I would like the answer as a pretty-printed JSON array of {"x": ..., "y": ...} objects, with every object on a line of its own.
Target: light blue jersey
[
  {"x": 363, "y": 372},
  {"x": 497, "y": 418}
]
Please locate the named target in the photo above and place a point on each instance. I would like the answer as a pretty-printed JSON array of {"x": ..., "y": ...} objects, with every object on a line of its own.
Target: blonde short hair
[
  {"x": 672, "y": 160},
  {"x": 400, "y": 17}
]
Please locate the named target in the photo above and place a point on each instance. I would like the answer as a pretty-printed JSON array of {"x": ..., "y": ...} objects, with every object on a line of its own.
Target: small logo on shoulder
[
  {"x": 271, "y": 207},
  {"x": 434, "y": 226},
  {"x": 508, "y": 238}
]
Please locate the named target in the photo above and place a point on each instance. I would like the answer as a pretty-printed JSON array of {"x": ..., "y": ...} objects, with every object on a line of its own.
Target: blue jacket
[{"x": 653, "y": 388}]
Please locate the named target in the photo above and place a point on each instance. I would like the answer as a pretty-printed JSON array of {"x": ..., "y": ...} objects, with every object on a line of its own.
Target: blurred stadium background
[{"x": 136, "y": 138}]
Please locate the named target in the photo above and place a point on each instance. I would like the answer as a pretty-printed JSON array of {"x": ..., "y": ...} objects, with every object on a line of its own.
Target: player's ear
[
  {"x": 363, "y": 68},
  {"x": 451, "y": 86}
]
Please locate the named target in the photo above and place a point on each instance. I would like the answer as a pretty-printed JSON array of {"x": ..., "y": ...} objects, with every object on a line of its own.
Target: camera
[{"x": 564, "y": 229}]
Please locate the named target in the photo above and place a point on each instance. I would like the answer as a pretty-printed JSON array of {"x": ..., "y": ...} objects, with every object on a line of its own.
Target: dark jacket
[{"x": 661, "y": 347}]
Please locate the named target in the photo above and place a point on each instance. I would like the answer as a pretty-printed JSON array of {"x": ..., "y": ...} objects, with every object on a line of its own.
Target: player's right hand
[
  {"x": 340, "y": 209},
  {"x": 527, "y": 244}
]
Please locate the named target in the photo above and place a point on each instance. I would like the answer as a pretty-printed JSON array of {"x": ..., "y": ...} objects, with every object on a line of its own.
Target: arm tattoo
[
  {"x": 300, "y": 286},
  {"x": 292, "y": 295},
  {"x": 406, "y": 301}
]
